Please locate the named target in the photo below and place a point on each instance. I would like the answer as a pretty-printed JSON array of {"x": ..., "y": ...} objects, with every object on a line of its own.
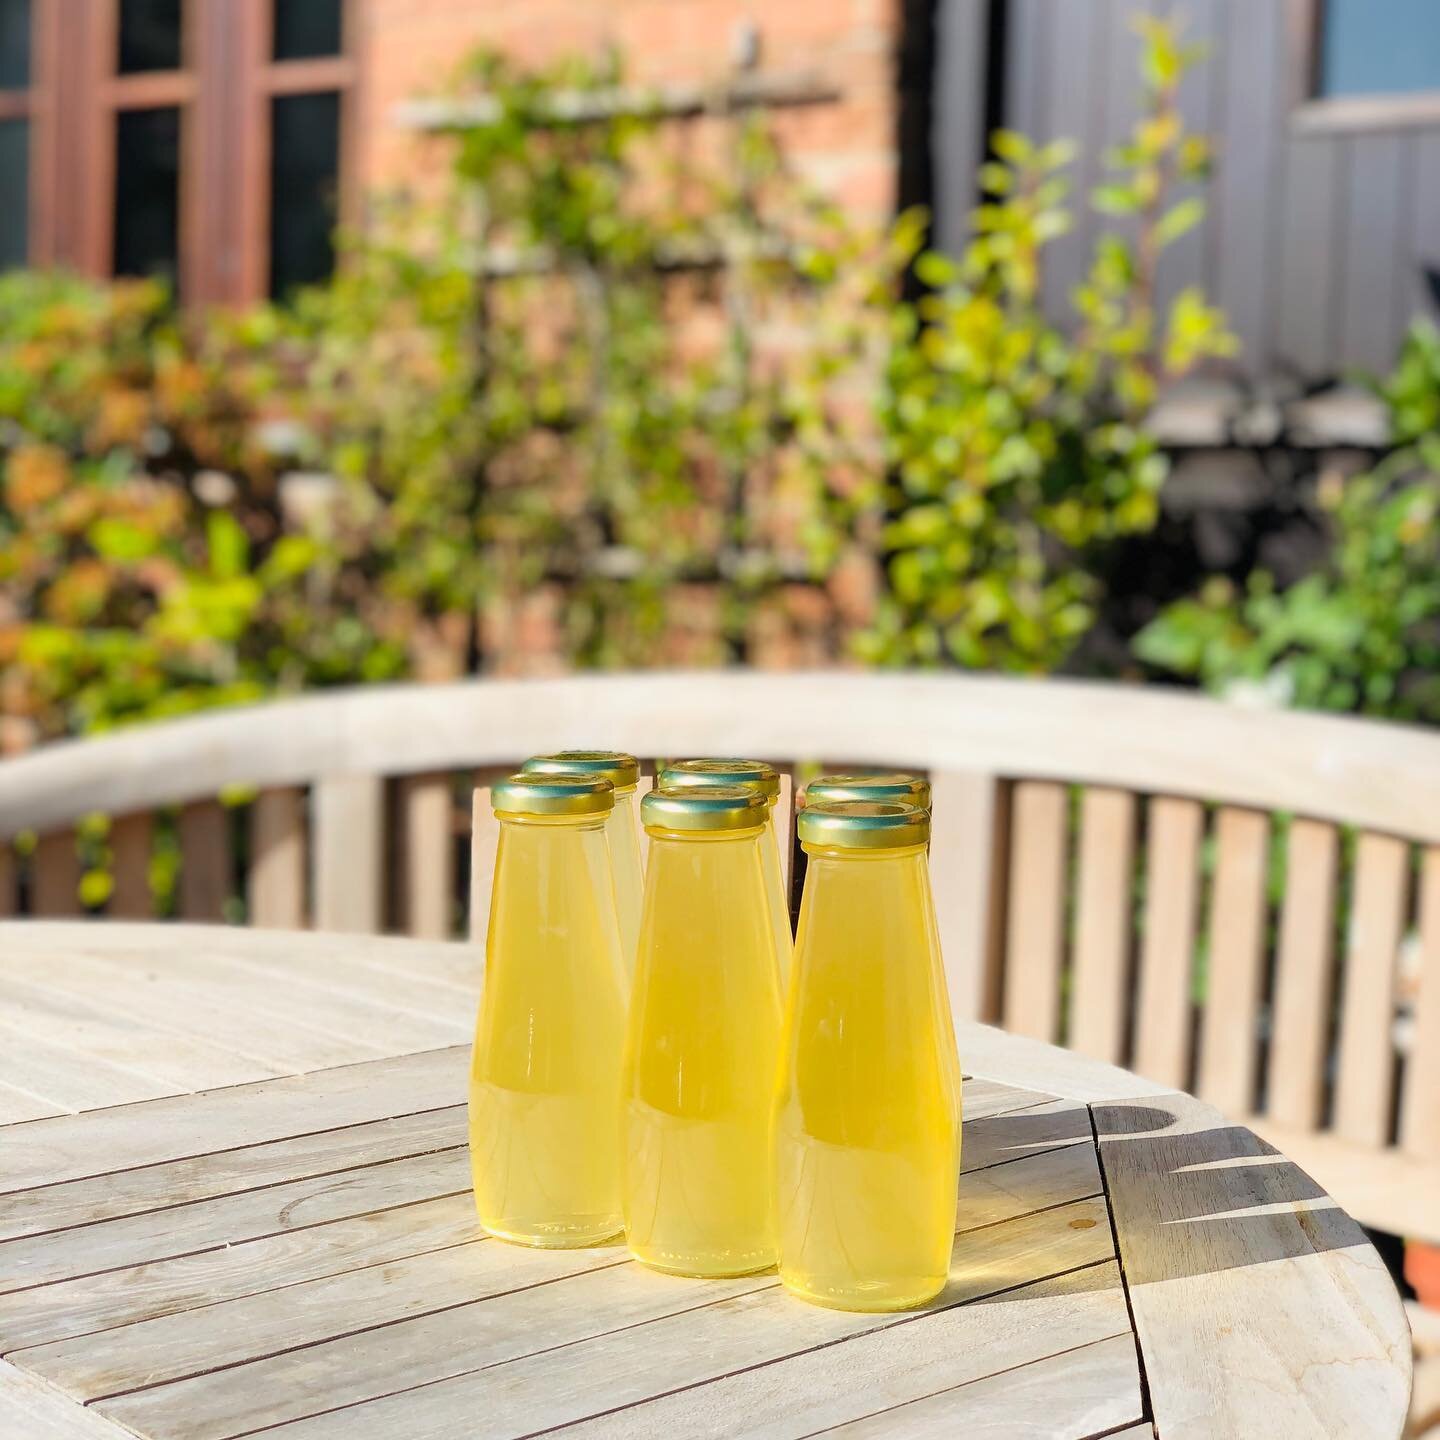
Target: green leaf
[
  {"x": 1012, "y": 147},
  {"x": 936, "y": 270},
  {"x": 1179, "y": 220},
  {"x": 1115, "y": 199},
  {"x": 229, "y": 545}
]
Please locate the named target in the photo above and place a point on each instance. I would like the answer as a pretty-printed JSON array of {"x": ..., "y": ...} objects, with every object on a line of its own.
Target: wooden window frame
[
  {"x": 224, "y": 89},
  {"x": 1314, "y": 114}
]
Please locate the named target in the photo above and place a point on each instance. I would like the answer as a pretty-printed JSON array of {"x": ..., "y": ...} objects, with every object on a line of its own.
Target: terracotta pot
[{"x": 1422, "y": 1270}]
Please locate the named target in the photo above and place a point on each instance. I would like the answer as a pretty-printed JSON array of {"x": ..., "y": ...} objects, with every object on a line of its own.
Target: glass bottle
[
  {"x": 622, "y": 827},
  {"x": 765, "y": 780},
  {"x": 703, "y": 1041},
  {"x": 545, "y": 1080},
  {"x": 910, "y": 790},
  {"x": 868, "y": 1115}
]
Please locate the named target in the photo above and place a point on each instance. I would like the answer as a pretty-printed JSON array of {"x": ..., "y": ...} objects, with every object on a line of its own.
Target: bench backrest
[{"x": 1238, "y": 902}]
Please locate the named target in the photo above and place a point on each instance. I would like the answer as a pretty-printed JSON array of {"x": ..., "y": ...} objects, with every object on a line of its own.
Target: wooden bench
[{"x": 1237, "y": 902}]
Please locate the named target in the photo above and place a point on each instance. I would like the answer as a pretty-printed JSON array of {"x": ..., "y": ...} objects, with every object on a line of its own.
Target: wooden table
[{"x": 234, "y": 1196}]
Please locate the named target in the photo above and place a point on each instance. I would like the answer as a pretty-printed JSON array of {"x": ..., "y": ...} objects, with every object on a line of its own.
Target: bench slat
[
  {"x": 1229, "y": 1051},
  {"x": 1175, "y": 829},
  {"x": 131, "y": 839},
  {"x": 484, "y": 847},
  {"x": 206, "y": 860},
  {"x": 428, "y": 868},
  {"x": 276, "y": 883},
  {"x": 785, "y": 827},
  {"x": 1035, "y": 928},
  {"x": 967, "y": 869},
  {"x": 1420, "y": 1114},
  {"x": 1103, "y": 924},
  {"x": 348, "y": 819},
  {"x": 55, "y": 875},
  {"x": 1364, "y": 1082},
  {"x": 1296, "y": 1084}
]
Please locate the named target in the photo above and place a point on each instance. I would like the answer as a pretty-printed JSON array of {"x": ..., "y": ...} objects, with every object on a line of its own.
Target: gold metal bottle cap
[
  {"x": 621, "y": 770},
  {"x": 908, "y": 788},
  {"x": 753, "y": 774},
  {"x": 864, "y": 824},
  {"x": 525, "y": 794},
  {"x": 707, "y": 808}
]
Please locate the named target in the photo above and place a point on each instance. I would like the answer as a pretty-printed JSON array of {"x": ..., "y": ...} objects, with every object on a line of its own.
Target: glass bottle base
[
  {"x": 701, "y": 1267},
  {"x": 558, "y": 1237},
  {"x": 874, "y": 1297}
]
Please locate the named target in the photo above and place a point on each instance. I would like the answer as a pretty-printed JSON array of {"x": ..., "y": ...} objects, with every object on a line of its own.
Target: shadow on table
[
  {"x": 1194, "y": 1195},
  {"x": 1190, "y": 1193}
]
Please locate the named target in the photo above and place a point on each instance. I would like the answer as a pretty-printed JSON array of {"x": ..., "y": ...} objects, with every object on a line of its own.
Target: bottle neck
[
  {"x": 847, "y": 854},
  {"x": 701, "y": 837},
  {"x": 552, "y": 822}
]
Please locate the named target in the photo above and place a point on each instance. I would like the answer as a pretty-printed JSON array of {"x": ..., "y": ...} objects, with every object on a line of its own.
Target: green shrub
[
  {"x": 1362, "y": 633},
  {"x": 1018, "y": 450}
]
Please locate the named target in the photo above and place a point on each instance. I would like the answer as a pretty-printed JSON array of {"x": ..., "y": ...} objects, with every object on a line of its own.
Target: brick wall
[{"x": 409, "y": 47}]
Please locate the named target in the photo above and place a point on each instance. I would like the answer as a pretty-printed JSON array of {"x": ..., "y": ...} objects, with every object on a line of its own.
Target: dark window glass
[
  {"x": 1380, "y": 49},
  {"x": 149, "y": 35},
  {"x": 14, "y": 192},
  {"x": 147, "y": 192},
  {"x": 304, "y": 189},
  {"x": 305, "y": 29},
  {"x": 14, "y": 44}
]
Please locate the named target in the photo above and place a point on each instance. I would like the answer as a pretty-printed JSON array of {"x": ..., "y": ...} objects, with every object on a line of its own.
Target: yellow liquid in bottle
[
  {"x": 545, "y": 1081},
  {"x": 622, "y": 830},
  {"x": 702, "y": 1050},
  {"x": 868, "y": 1120},
  {"x": 775, "y": 899}
]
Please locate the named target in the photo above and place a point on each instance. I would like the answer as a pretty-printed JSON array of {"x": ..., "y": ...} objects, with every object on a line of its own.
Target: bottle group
[{"x": 656, "y": 1057}]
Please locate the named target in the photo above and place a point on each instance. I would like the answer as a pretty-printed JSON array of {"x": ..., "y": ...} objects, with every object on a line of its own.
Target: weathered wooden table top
[{"x": 234, "y": 1197}]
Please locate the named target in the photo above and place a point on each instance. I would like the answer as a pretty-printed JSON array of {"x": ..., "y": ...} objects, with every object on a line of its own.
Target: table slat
[
  {"x": 204, "y": 1224},
  {"x": 101, "y": 1141},
  {"x": 1095, "y": 1387},
  {"x": 910, "y": 1360},
  {"x": 698, "y": 1330},
  {"x": 227, "y": 1172}
]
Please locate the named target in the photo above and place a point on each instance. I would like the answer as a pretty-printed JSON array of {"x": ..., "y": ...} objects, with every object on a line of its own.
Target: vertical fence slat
[
  {"x": 1035, "y": 924},
  {"x": 484, "y": 846},
  {"x": 1175, "y": 829},
  {"x": 1103, "y": 924},
  {"x": 967, "y": 870},
  {"x": 55, "y": 875},
  {"x": 1420, "y": 1110},
  {"x": 428, "y": 832},
  {"x": 1300, "y": 1027},
  {"x": 131, "y": 837},
  {"x": 276, "y": 883},
  {"x": 1364, "y": 1078},
  {"x": 347, "y": 828},
  {"x": 206, "y": 860},
  {"x": 1229, "y": 1045}
]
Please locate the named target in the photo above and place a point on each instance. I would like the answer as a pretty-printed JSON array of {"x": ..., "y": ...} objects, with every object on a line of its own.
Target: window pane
[
  {"x": 306, "y": 28},
  {"x": 1380, "y": 49},
  {"x": 14, "y": 44},
  {"x": 304, "y": 189},
  {"x": 149, "y": 35},
  {"x": 147, "y": 192},
  {"x": 14, "y": 192}
]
